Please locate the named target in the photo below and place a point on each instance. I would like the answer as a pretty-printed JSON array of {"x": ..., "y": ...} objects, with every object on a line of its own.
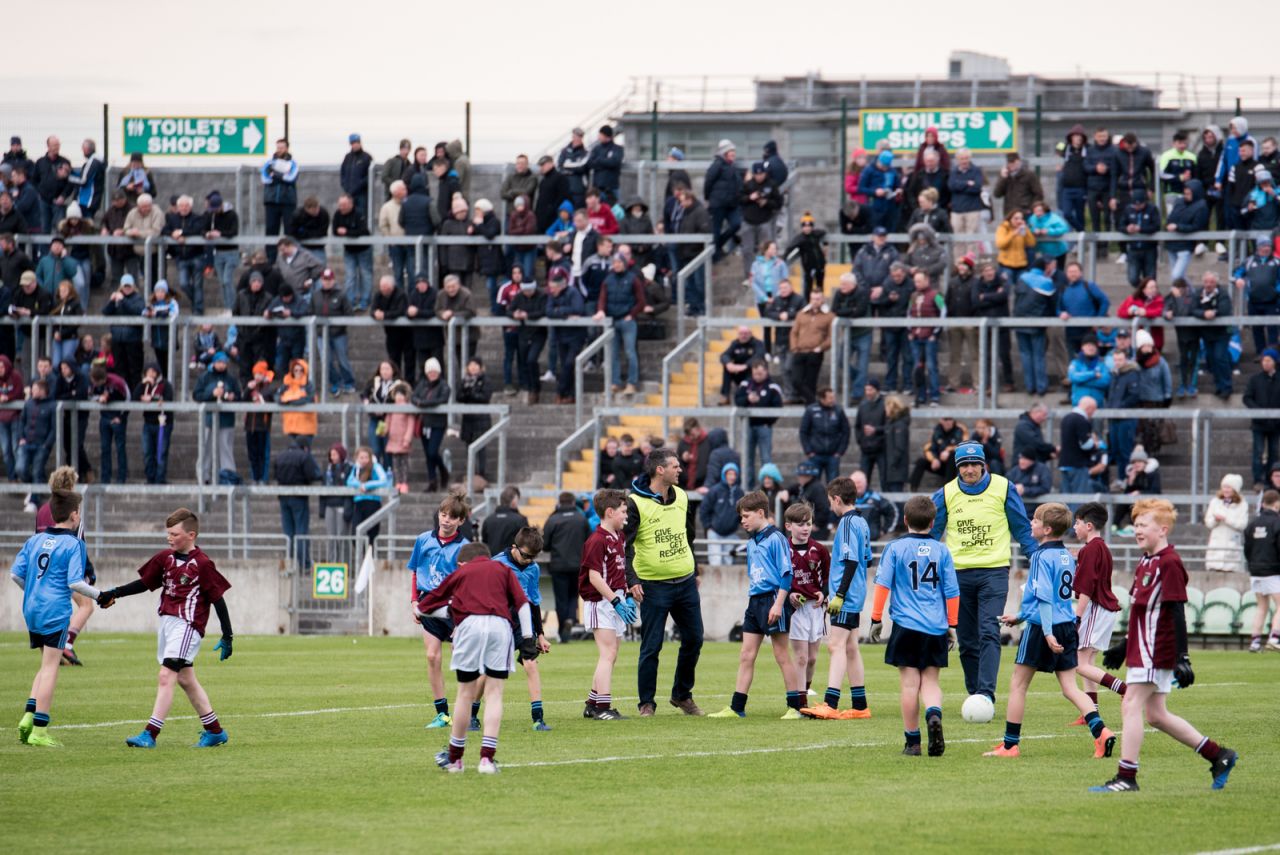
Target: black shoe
[
  {"x": 1117, "y": 785},
  {"x": 1222, "y": 767},
  {"x": 912, "y": 749},
  {"x": 588, "y": 711},
  {"x": 936, "y": 743},
  {"x": 609, "y": 714},
  {"x": 69, "y": 656},
  {"x": 442, "y": 759}
]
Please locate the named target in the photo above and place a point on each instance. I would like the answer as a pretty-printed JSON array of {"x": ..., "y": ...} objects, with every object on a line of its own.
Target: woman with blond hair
[
  {"x": 1226, "y": 518},
  {"x": 897, "y": 444}
]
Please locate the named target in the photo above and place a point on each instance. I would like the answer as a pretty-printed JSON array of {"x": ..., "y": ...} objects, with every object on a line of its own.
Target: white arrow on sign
[
  {"x": 252, "y": 136},
  {"x": 999, "y": 131}
]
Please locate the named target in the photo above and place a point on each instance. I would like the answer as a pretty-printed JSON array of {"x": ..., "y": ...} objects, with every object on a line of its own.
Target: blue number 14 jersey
[{"x": 921, "y": 575}]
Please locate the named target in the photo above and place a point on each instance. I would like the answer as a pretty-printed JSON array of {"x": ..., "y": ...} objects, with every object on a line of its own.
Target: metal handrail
[
  {"x": 570, "y": 441},
  {"x": 498, "y": 431},
  {"x": 694, "y": 338},
  {"x": 603, "y": 342},
  {"x": 700, "y": 261}
]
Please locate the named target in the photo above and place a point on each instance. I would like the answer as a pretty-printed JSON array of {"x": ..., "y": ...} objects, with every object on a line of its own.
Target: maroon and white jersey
[
  {"x": 1158, "y": 580},
  {"x": 482, "y": 586},
  {"x": 191, "y": 584},
  {"x": 1093, "y": 575},
  {"x": 606, "y": 553},
  {"x": 810, "y": 568}
]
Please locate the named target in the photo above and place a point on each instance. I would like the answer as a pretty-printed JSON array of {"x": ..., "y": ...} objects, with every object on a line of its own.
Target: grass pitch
[{"x": 328, "y": 753}]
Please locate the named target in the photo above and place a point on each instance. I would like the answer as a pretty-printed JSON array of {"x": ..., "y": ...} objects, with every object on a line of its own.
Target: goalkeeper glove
[
  {"x": 1114, "y": 656},
  {"x": 529, "y": 649},
  {"x": 952, "y": 640},
  {"x": 873, "y": 635},
  {"x": 835, "y": 604},
  {"x": 224, "y": 645},
  {"x": 625, "y": 609},
  {"x": 1183, "y": 676}
]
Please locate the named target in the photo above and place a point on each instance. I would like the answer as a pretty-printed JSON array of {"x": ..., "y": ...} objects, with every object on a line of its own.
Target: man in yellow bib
[
  {"x": 981, "y": 515},
  {"x": 663, "y": 578}
]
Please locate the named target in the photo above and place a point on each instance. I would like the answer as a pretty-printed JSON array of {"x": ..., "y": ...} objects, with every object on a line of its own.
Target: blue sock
[
  {"x": 832, "y": 698},
  {"x": 535, "y": 709},
  {"x": 42, "y": 719},
  {"x": 1095, "y": 723},
  {"x": 931, "y": 712},
  {"x": 442, "y": 706},
  {"x": 31, "y": 705},
  {"x": 913, "y": 737},
  {"x": 739, "y": 703},
  {"x": 794, "y": 700},
  {"x": 1012, "y": 733},
  {"x": 858, "y": 697}
]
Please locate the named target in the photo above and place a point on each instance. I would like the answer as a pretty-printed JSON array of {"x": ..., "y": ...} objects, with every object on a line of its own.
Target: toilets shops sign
[
  {"x": 194, "y": 136},
  {"x": 979, "y": 130}
]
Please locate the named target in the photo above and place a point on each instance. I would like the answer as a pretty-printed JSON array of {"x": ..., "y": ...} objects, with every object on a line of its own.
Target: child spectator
[
  {"x": 719, "y": 515},
  {"x": 401, "y": 430},
  {"x": 296, "y": 391},
  {"x": 157, "y": 425},
  {"x": 378, "y": 391},
  {"x": 1226, "y": 517},
  {"x": 207, "y": 343},
  {"x": 257, "y": 424},
  {"x": 810, "y": 247},
  {"x": 366, "y": 476},
  {"x": 336, "y": 510}
]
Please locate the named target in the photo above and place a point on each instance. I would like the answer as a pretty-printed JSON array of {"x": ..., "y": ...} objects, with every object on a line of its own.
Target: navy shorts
[
  {"x": 441, "y": 628},
  {"x": 911, "y": 648},
  {"x": 847, "y": 620},
  {"x": 756, "y": 619},
  {"x": 1033, "y": 650},
  {"x": 57, "y": 640}
]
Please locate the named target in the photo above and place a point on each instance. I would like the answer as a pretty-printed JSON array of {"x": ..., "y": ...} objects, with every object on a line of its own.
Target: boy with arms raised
[
  {"x": 480, "y": 596},
  {"x": 435, "y": 556},
  {"x": 1049, "y": 640},
  {"x": 924, "y": 608},
  {"x": 1156, "y": 651},
  {"x": 607, "y": 608},
  {"x": 50, "y": 566},
  {"x": 810, "y": 567},
  {"x": 1096, "y": 605},
  {"x": 522, "y": 558},
  {"x": 847, "y": 589},
  {"x": 768, "y": 610},
  {"x": 191, "y": 586}
]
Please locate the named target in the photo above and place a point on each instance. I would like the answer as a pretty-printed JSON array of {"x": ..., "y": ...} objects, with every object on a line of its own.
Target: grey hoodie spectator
[
  {"x": 871, "y": 264},
  {"x": 296, "y": 266},
  {"x": 925, "y": 253},
  {"x": 718, "y": 453}
]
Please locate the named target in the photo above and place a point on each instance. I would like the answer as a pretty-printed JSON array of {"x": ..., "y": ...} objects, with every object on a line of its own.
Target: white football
[{"x": 977, "y": 709}]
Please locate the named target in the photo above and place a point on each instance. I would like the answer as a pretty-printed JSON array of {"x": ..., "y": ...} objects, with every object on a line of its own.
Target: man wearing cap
[
  {"x": 219, "y": 386},
  {"x": 16, "y": 156},
  {"x": 1088, "y": 373},
  {"x": 605, "y": 164},
  {"x": 572, "y": 163},
  {"x": 353, "y": 175},
  {"x": 28, "y": 301},
  {"x": 981, "y": 514},
  {"x": 331, "y": 303},
  {"x": 810, "y": 489},
  {"x": 723, "y": 191},
  {"x": 1139, "y": 218},
  {"x": 221, "y": 222},
  {"x": 760, "y": 201},
  {"x": 126, "y": 339},
  {"x": 677, "y": 174}
]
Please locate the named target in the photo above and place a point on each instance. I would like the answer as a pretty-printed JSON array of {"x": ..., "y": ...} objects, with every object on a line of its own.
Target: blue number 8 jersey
[
  {"x": 47, "y": 566},
  {"x": 922, "y": 576},
  {"x": 1049, "y": 584}
]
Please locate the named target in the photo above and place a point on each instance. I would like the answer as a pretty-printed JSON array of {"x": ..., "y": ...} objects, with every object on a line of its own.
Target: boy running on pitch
[
  {"x": 847, "y": 589},
  {"x": 480, "y": 597},
  {"x": 607, "y": 608},
  {"x": 768, "y": 610},
  {"x": 810, "y": 567},
  {"x": 435, "y": 556},
  {"x": 1156, "y": 651},
  {"x": 191, "y": 586},
  {"x": 522, "y": 558},
  {"x": 50, "y": 566},
  {"x": 1049, "y": 640},
  {"x": 1096, "y": 605},
  {"x": 925, "y": 607}
]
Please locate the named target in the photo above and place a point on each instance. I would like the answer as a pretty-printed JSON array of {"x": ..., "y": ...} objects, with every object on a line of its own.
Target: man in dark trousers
[
  {"x": 499, "y": 529},
  {"x": 295, "y": 467},
  {"x": 1263, "y": 393},
  {"x": 353, "y": 175},
  {"x": 564, "y": 533}
]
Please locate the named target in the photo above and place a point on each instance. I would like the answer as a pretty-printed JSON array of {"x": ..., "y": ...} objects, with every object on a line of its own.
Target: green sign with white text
[
  {"x": 329, "y": 582},
  {"x": 982, "y": 131},
  {"x": 190, "y": 136}
]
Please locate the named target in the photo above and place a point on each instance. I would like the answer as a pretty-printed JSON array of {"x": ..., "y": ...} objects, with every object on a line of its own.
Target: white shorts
[
  {"x": 176, "y": 639},
  {"x": 1096, "y": 626},
  {"x": 602, "y": 616},
  {"x": 1262, "y": 585},
  {"x": 808, "y": 623},
  {"x": 482, "y": 644},
  {"x": 1162, "y": 677}
]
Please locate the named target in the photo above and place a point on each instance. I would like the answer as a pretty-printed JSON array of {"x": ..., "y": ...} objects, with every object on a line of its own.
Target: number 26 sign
[{"x": 329, "y": 582}]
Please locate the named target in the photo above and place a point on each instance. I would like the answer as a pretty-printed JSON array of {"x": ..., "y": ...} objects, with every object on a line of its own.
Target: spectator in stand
[
  {"x": 676, "y": 176},
  {"x": 11, "y": 392},
  {"x": 522, "y": 223},
  {"x": 810, "y": 339},
  {"x": 378, "y": 391},
  {"x": 810, "y": 247},
  {"x": 1145, "y": 302},
  {"x": 521, "y": 181},
  {"x": 55, "y": 266},
  {"x": 621, "y": 301},
  {"x": 490, "y": 258},
  {"x": 1139, "y": 218},
  {"x": 784, "y": 305},
  {"x": 553, "y": 189},
  {"x": 398, "y": 442},
  {"x": 1177, "y": 166},
  {"x": 990, "y": 297},
  {"x": 966, "y": 183},
  {"x": 759, "y": 391},
  {"x": 852, "y": 301},
  {"x": 768, "y": 271},
  {"x": 608, "y": 454},
  {"x": 455, "y": 259},
  {"x": 1262, "y": 206},
  {"x": 257, "y": 342},
  {"x": 938, "y": 455},
  {"x": 1257, "y": 279},
  {"x": 26, "y": 202},
  {"x": 1135, "y": 170},
  {"x": 628, "y": 463},
  {"x": 931, "y": 173},
  {"x": 353, "y": 175},
  {"x": 144, "y": 221},
  {"x": 719, "y": 515},
  {"x": 1073, "y": 179},
  {"x": 136, "y": 179},
  {"x": 296, "y": 267},
  {"x": 126, "y": 302},
  {"x": 35, "y": 438},
  {"x": 1014, "y": 242},
  {"x": 51, "y": 178},
  {"x": 1208, "y": 159},
  {"x": 157, "y": 425},
  {"x": 259, "y": 389},
  {"x": 770, "y": 480},
  {"x": 691, "y": 218},
  {"x": 28, "y": 302},
  {"x": 1018, "y": 186},
  {"x": 723, "y": 191},
  {"x": 600, "y": 215},
  {"x": 564, "y": 533},
  {"x": 1088, "y": 372},
  {"x": 183, "y": 222},
  {"x": 389, "y": 305},
  {"x": 530, "y": 304},
  {"x": 474, "y": 389},
  {"x": 897, "y": 445},
  {"x": 565, "y": 303},
  {"x": 16, "y": 156},
  {"x": 1263, "y": 393},
  {"x": 428, "y": 341},
  {"x": 349, "y": 223},
  {"x": 511, "y": 334},
  {"x": 309, "y": 226},
  {"x": 65, "y": 336},
  {"x": 448, "y": 189},
  {"x": 1210, "y": 302},
  {"x": 400, "y": 255},
  {"x": 962, "y": 341},
  {"x": 1031, "y": 479},
  {"x": 1077, "y": 441},
  {"x": 986, "y": 433},
  {"x": 1100, "y": 169},
  {"x": 113, "y": 426},
  {"x": 506, "y": 520},
  {"x": 291, "y": 338},
  {"x": 892, "y": 300},
  {"x": 367, "y": 476},
  {"x": 279, "y": 191},
  {"x": 1179, "y": 304},
  {"x": 454, "y": 300},
  {"x": 397, "y": 167},
  {"x": 295, "y": 467},
  {"x": 869, "y": 430},
  {"x": 881, "y": 515},
  {"x": 881, "y": 183},
  {"x": 337, "y": 511},
  {"x": 637, "y": 222},
  {"x": 219, "y": 386},
  {"x": 1226, "y": 517},
  {"x": 160, "y": 308},
  {"x": 222, "y": 223},
  {"x": 572, "y": 163},
  {"x": 431, "y": 392},
  {"x": 925, "y": 255},
  {"x": 1048, "y": 226},
  {"x": 415, "y": 216},
  {"x": 296, "y": 390},
  {"x": 925, "y": 211},
  {"x": 1240, "y": 182},
  {"x": 760, "y": 201},
  {"x": 72, "y": 386},
  {"x": 736, "y": 360},
  {"x": 1033, "y": 295},
  {"x": 1142, "y": 478},
  {"x": 605, "y": 164},
  {"x": 925, "y": 303},
  {"x": 1155, "y": 387},
  {"x": 13, "y": 261},
  {"x": 332, "y": 303},
  {"x": 692, "y": 451},
  {"x": 1123, "y": 394},
  {"x": 808, "y": 488},
  {"x": 824, "y": 433}
]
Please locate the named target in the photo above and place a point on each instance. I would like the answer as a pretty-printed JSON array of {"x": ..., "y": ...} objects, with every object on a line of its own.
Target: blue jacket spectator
[
  {"x": 353, "y": 174},
  {"x": 1088, "y": 373},
  {"x": 1145, "y": 217},
  {"x": 1189, "y": 214},
  {"x": 1123, "y": 393},
  {"x": 871, "y": 264},
  {"x": 1031, "y": 479},
  {"x": 882, "y": 184},
  {"x": 824, "y": 430},
  {"x": 723, "y": 185},
  {"x": 966, "y": 189},
  {"x": 719, "y": 511},
  {"x": 279, "y": 177},
  {"x": 1237, "y": 132},
  {"x": 1105, "y": 154},
  {"x": 1047, "y": 224},
  {"x": 1082, "y": 298},
  {"x": 415, "y": 210}
]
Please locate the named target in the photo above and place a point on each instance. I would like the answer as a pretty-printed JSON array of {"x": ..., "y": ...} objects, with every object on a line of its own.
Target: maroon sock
[
  {"x": 455, "y": 752},
  {"x": 486, "y": 753},
  {"x": 1128, "y": 770},
  {"x": 153, "y": 727},
  {"x": 1113, "y": 683},
  {"x": 1209, "y": 750},
  {"x": 71, "y": 636},
  {"x": 1093, "y": 696},
  {"x": 210, "y": 722}
]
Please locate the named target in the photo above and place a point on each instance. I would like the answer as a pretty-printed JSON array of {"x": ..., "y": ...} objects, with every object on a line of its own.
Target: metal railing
[{"x": 603, "y": 343}]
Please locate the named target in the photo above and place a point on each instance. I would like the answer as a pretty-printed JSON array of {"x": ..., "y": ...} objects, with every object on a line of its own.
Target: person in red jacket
[{"x": 1146, "y": 302}]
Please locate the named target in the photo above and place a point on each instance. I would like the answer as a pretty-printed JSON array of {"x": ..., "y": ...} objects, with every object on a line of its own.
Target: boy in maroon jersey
[
  {"x": 1156, "y": 651},
  {"x": 1096, "y": 605},
  {"x": 810, "y": 569},
  {"x": 480, "y": 596},
  {"x": 607, "y": 608},
  {"x": 191, "y": 586}
]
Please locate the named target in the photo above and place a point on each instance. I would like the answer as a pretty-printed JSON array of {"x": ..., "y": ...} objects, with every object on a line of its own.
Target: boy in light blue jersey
[
  {"x": 435, "y": 556},
  {"x": 847, "y": 589},
  {"x": 1049, "y": 641},
  {"x": 768, "y": 606},
  {"x": 925, "y": 607},
  {"x": 522, "y": 558},
  {"x": 50, "y": 566}
]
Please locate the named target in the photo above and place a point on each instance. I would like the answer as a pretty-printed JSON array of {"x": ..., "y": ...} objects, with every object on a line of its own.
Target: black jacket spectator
[
  {"x": 356, "y": 225},
  {"x": 693, "y": 221},
  {"x": 1036, "y": 480},
  {"x": 129, "y": 306},
  {"x": 774, "y": 166},
  {"x": 765, "y": 207},
  {"x": 880, "y": 513},
  {"x": 824, "y": 430},
  {"x": 490, "y": 260},
  {"x": 1219, "y": 302},
  {"x": 295, "y": 467},
  {"x": 552, "y": 190},
  {"x": 871, "y": 414},
  {"x": 499, "y": 529},
  {"x": 741, "y": 353},
  {"x": 1263, "y": 393},
  {"x": 310, "y": 230},
  {"x": 353, "y": 175},
  {"x": 1262, "y": 544},
  {"x": 1028, "y": 435},
  {"x": 12, "y": 266},
  {"x": 1076, "y": 433},
  {"x": 769, "y": 394},
  {"x": 605, "y": 165},
  {"x": 415, "y": 210},
  {"x": 331, "y": 303},
  {"x": 46, "y": 180},
  {"x": 191, "y": 225},
  {"x": 723, "y": 186},
  {"x": 564, "y": 533},
  {"x": 572, "y": 163}
]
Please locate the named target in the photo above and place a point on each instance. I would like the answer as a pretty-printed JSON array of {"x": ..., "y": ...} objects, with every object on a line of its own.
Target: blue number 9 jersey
[{"x": 47, "y": 566}]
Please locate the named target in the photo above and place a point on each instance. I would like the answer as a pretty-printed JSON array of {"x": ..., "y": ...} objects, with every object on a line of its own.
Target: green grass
[{"x": 357, "y": 773}]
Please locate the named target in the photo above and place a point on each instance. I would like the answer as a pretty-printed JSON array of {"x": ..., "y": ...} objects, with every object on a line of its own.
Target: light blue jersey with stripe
[
  {"x": 527, "y": 575},
  {"x": 432, "y": 560},
  {"x": 919, "y": 572},
  {"x": 1049, "y": 585},
  {"x": 852, "y": 544},
  {"x": 47, "y": 566},
  {"x": 768, "y": 562}
]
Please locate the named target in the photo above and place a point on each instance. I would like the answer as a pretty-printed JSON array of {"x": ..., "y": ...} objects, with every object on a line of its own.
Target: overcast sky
[{"x": 532, "y": 68}]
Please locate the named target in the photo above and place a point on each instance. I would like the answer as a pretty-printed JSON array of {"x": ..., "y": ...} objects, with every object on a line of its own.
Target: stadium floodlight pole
[
  {"x": 106, "y": 135},
  {"x": 653, "y": 133}
]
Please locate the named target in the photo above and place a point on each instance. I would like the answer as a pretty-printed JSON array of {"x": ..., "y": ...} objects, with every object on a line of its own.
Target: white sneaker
[
  {"x": 455, "y": 767},
  {"x": 1273, "y": 643},
  {"x": 548, "y": 377},
  {"x": 488, "y": 767},
  {"x": 1220, "y": 248},
  {"x": 1200, "y": 250},
  {"x": 1121, "y": 258},
  {"x": 811, "y": 693}
]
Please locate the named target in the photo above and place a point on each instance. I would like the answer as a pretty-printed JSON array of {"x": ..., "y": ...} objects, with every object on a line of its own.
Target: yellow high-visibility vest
[
  {"x": 662, "y": 549},
  {"x": 977, "y": 528}
]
